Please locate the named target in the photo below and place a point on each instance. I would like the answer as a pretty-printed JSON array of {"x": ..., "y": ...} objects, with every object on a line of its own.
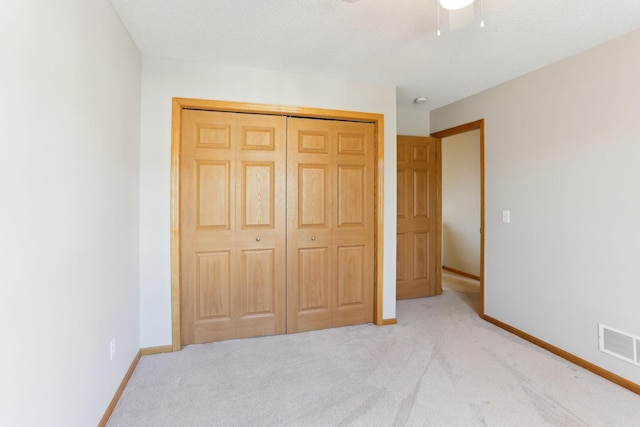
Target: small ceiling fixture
[
  {"x": 420, "y": 100},
  {"x": 455, "y": 4}
]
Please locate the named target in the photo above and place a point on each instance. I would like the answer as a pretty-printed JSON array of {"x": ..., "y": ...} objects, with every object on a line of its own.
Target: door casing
[{"x": 240, "y": 107}]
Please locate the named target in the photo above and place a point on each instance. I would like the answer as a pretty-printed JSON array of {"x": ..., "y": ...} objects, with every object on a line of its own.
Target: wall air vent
[{"x": 619, "y": 344}]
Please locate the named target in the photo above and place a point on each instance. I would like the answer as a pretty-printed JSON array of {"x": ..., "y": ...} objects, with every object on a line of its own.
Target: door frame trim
[
  {"x": 178, "y": 104},
  {"x": 478, "y": 124}
]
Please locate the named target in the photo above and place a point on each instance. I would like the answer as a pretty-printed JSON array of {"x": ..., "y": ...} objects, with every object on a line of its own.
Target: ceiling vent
[{"x": 619, "y": 344}]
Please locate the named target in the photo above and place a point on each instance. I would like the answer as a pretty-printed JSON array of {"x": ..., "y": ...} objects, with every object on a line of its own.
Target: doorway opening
[{"x": 462, "y": 265}]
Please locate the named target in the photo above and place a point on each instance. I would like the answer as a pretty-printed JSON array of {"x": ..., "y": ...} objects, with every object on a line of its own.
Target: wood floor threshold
[
  {"x": 389, "y": 321},
  {"x": 148, "y": 351},
  {"x": 622, "y": 382},
  {"x": 461, "y": 273},
  {"x": 116, "y": 396}
]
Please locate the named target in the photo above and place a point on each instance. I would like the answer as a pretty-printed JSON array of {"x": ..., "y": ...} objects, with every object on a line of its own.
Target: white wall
[
  {"x": 164, "y": 79},
  {"x": 413, "y": 121},
  {"x": 69, "y": 180},
  {"x": 562, "y": 153},
  {"x": 461, "y": 202}
]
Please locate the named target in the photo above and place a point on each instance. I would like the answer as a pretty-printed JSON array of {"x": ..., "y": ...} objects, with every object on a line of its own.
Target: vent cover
[{"x": 619, "y": 344}]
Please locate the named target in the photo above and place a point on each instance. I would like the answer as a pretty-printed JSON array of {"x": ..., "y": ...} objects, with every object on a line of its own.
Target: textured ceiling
[{"x": 387, "y": 41}]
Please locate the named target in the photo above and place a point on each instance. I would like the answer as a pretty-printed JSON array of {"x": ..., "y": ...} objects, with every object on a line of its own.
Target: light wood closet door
[
  {"x": 330, "y": 214},
  {"x": 418, "y": 256},
  {"x": 233, "y": 219}
]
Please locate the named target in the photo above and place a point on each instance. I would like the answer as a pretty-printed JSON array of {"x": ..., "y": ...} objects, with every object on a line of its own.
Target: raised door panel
[
  {"x": 354, "y": 290},
  {"x": 420, "y": 194},
  {"x": 314, "y": 141},
  {"x": 261, "y": 283},
  {"x": 313, "y": 279},
  {"x": 213, "y": 202},
  {"x": 351, "y": 275},
  {"x": 258, "y": 282},
  {"x": 401, "y": 257},
  {"x": 421, "y": 264},
  {"x": 402, "y": 197},
  {"x": 213, "y": 285},
  {"x": 312, "y": 195},
  {"x": 212, "y": 135},
  {"x": 351, "y": 193},
  {"x": 258, "y": 138},
  {"x": 258, "y": 194},
  {"x": 309, "y": 296}
]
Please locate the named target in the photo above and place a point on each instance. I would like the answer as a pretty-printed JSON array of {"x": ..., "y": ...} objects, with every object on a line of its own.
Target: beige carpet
[{"x": 439, "y": 366}]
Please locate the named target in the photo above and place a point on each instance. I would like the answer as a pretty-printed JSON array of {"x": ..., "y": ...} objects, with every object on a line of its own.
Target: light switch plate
[{"x": 506, "y": 216}]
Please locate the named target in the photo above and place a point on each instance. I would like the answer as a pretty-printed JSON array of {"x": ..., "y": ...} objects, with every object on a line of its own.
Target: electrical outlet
[{"x": 112, "y": 348}]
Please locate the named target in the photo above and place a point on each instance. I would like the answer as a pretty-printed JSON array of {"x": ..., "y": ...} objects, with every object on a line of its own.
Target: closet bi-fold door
[
  {"x": 330, "y": 223},
  {"x": 233, "y": 225}
]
